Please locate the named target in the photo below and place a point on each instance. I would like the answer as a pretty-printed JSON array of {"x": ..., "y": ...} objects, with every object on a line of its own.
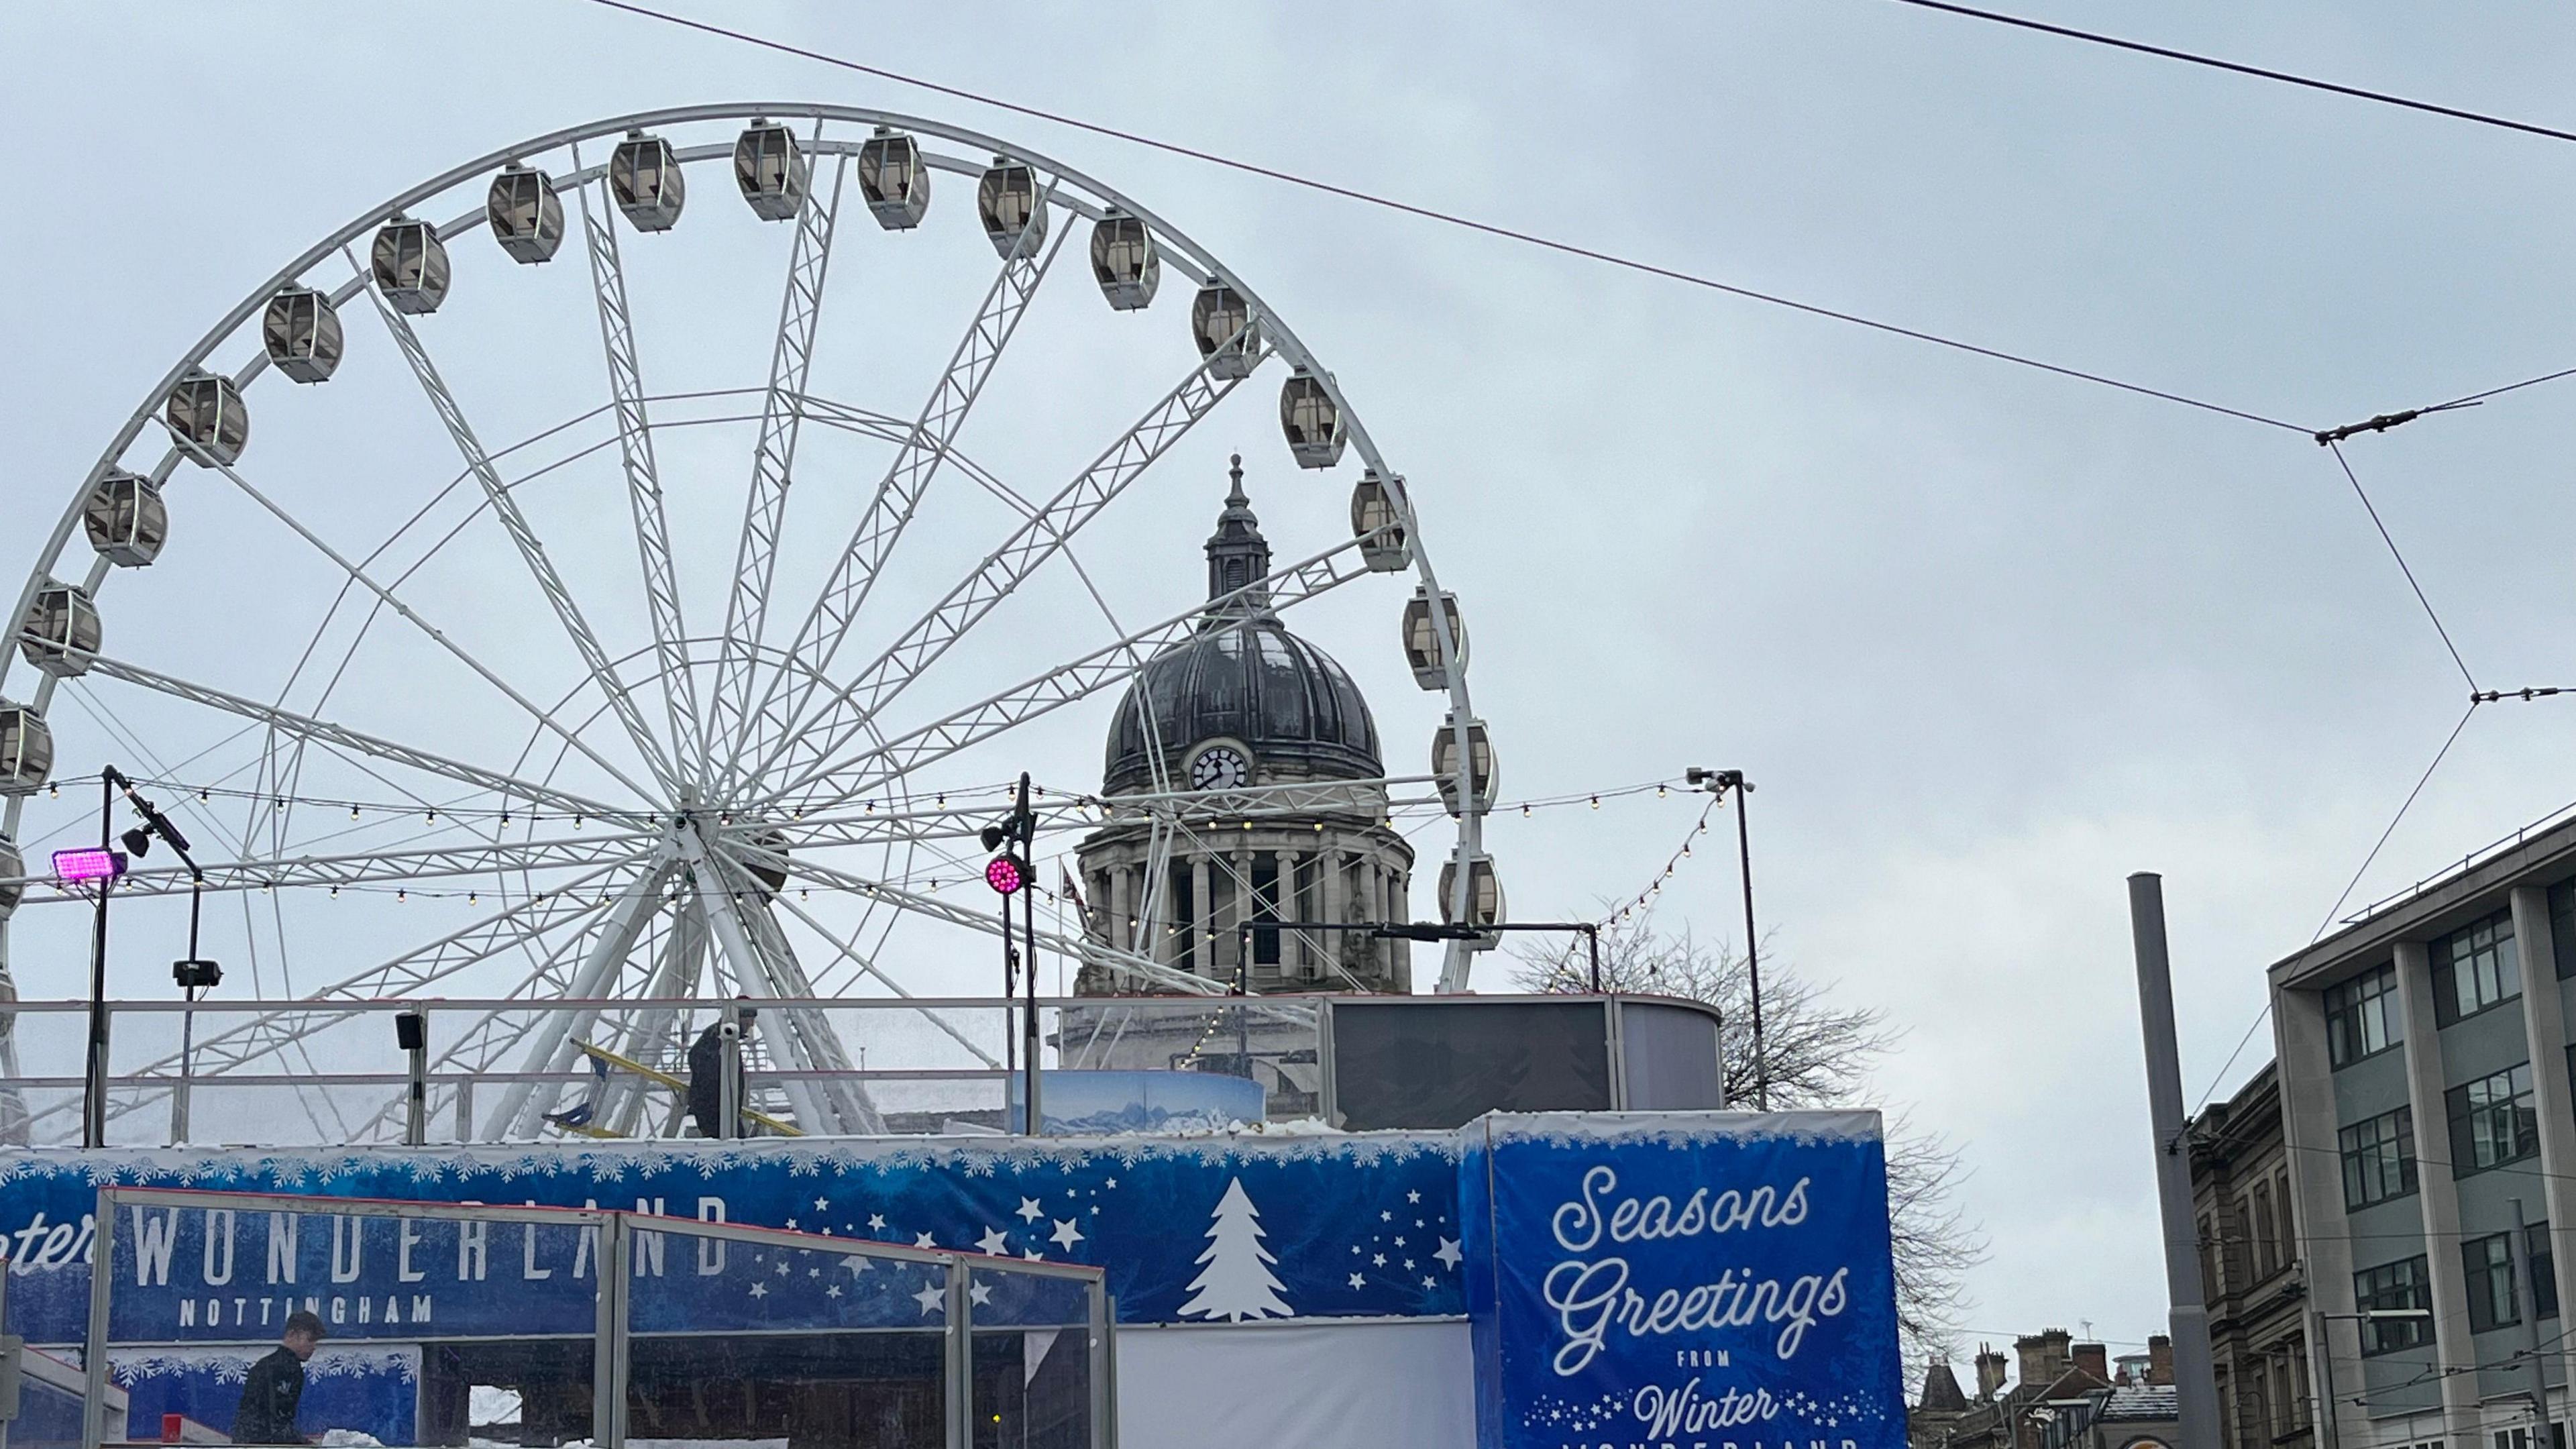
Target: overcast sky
[{"x": 1987, "y": 640}]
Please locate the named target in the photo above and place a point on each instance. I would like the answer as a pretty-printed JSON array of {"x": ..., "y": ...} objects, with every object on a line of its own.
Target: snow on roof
[{"x": 2134, "y": 1405}]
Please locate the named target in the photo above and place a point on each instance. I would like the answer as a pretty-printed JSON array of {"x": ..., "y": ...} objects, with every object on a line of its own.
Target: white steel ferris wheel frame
[{"x": 786, "y": 754}]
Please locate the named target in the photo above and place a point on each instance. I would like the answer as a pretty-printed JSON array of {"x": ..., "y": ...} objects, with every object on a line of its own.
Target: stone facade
[{"x": 2251, "y": 1272}]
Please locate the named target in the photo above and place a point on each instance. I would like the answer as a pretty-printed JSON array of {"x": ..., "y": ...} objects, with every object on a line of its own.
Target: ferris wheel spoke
[
  {"x": 773, "y": 464},
  {"x": 898, "y": 494},
  {"x": 1066, "y": 683},
  {"x": 523, "y": 1106},
  {"x": 532, "y": 550},
  {"x": 764, "y": 964},
  {"x": 386, "y": 597},
  {"x": 1125, "y": 963},
  {"x": 848, "y": 950},
  {"x": 385, "y": 867},
  {"x": 323, "y": 732},
  {"x": 810, "y": 743},
  {"x": 643, "y": 475}
]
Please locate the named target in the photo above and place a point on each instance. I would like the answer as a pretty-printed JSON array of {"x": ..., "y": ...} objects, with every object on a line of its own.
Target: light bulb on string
[{"x": 1596, "y": 802}]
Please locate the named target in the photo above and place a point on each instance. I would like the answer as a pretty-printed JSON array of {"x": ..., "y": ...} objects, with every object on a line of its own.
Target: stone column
[
  {"x": 2544, "y": 1024},
  {"x": 1201, "y": 919},
  {"x": 1121, "y": 908},
  {"x": 2438, "y": 1193},
  {"x": 1236, "y": 941}
]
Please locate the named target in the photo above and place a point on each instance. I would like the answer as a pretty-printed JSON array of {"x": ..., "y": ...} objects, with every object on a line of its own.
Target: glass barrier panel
[
  {"x": 227, "y": 1311},
  {"x": 1033, "y": 1359},
  {"x": 738, "y": 1334}
]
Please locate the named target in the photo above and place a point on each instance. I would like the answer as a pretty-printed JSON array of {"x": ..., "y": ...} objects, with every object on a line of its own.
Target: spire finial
[{"x": 1234, "y": 496}]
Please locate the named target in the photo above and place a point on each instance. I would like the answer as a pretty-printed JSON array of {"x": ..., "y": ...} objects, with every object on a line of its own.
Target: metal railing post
[
  {"x": 608, "y": 1376},
  {"x": 102, "y": 1270},
  {"x": 729, "y": 1078},
  {"x": 960, "y": 1360}
]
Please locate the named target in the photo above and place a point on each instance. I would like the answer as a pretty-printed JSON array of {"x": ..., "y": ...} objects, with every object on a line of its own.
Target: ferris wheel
[{"x": 519, "y": 675}]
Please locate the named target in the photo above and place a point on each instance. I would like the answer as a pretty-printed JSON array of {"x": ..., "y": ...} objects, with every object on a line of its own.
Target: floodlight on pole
[
  {"x": 88, "y": 865},
  {"x": 1007, "y": 874}
]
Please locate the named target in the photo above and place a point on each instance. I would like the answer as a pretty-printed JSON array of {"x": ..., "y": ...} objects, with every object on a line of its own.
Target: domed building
[{"x": 1244, "y": 704}]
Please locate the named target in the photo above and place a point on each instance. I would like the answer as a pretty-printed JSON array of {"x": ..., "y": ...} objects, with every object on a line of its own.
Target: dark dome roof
[{"x": 1246, "y": 679}]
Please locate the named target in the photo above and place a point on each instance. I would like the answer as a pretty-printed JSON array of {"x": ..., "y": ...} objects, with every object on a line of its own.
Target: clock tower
[{"x": 1209, "y": 726}]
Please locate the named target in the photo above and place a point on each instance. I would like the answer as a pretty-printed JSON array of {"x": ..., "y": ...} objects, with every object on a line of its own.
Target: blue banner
[
  {"x": 374, "y": 1391},
  {"x": 1682, "y": 1281},
  {"x": 1222, "y": 1228}
]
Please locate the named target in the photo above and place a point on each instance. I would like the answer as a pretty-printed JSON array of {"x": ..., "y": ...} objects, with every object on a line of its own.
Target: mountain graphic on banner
[{"x": 1235, "y": 1282}]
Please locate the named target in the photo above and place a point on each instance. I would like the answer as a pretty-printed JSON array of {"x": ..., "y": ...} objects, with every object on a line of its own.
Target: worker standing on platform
[
  {"x": 274, "y": 1389},
  {"x": 706, "y": 1077}
]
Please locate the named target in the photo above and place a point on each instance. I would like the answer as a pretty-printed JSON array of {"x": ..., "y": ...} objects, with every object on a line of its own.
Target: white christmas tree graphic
[{"x": 1235, "y": 1282}]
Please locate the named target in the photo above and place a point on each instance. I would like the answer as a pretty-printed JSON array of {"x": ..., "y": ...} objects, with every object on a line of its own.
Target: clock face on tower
[{"x": 1220, "y": 767}]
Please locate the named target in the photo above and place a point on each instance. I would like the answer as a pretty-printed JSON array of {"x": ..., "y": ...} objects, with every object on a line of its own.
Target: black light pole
[
  {"x": 1718, "y": 782},
  {"x": 1009, "y": 874},
  {"x": 94, "y": 1071}
]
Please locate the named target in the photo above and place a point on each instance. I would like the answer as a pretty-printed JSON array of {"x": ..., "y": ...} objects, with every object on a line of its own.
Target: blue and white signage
[{"x": 1681, "y": 1280}]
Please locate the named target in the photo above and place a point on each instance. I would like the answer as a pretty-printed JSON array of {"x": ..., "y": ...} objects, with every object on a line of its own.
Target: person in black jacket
[
  {"x": 275, "y": 1387},
  {"x": 706, "y": 1076}
]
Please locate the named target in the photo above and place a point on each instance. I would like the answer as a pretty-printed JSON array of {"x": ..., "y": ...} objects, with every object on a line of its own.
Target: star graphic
[
  {"x": 1034, "y": 1256},
  {"x": 821, "y": 1203},
  {"x": 817, "y": 1272},
  {"x": 1358, "y": 1282},
  {"x": 929, "y": 1299},
  {"x": 1355, "y": 1248},
  {"x": 1417, "y": 1222},
  {"x": 923, "y": 1241},
  {"x": 857, "y": 1264},
  {"x": 832, "y": 1291},
  {"x": 782, "y": 1267},
  {"x": 759, "y": 1290},
  {"x": 1113, "y": 1182},
  {"x": 1413, "y": 1197},
  {"x": 1408, "y": 1265},
  {"x": 994, "y": 1243},
  {"x": 876, "y": 1222},
  {"x": 1449, "y": 1254},
  {"x": 979, "y": 1293},
  {"x": 1029, "y": 1210},
  {"x": 1065, "y": 1234},
  {"x": 1399, "y": 1240},
  {"x": 791, "y": 1225},
  {"x": 1377, "y": 1260},
  {"x": 1386, "y": 1217}
]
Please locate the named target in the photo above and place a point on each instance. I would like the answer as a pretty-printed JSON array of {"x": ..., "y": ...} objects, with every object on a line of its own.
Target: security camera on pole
[{"x": 1014, "y": 841}]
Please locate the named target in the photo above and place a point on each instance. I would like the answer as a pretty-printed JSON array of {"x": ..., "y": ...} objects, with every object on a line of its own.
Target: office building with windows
[{"x": 2426, "y": 1083}]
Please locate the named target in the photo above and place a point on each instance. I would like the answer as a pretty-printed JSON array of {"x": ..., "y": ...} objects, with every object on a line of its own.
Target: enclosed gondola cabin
[
  {"x": 26, "y": 749},
  {"x": 205, "y": 412},
  {"x": 410, "y": 266},
  {"x": 1422, "y": 640},
  {"x": 892, "y": 178},
  {"x": 1378, "y": 526},
  {"x": 13, "y": 870},
  {"x": 644, "y": 180},
  {"x": 301, "y": 331},
  {"x": 526, "y": 216},
  {"x": 1015, "y": 218},
  {"x": 1312, "y": 421},
  {"x": 1222, "y": 324},
  {"x": 60, "y": 634},
  {"x": 1484, "y": 892},
  {"x": 771, "y": 170},
  {"x": 1483, "y": 777},
  {"x": 126, "y": 520},
  {"x": 1124, "y": 261}
]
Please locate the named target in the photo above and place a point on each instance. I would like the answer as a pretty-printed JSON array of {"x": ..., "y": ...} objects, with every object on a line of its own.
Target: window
[
  {"x": 2562, "y": 932},
  {"x": 2208, "y": 1261},
  {"x": 2362, "y": 1016},
  {"x": 2289, "y": 1233},
  {"x": 2544, "y": 1270},
  {"x": 2488, "y": 1264},
  {"x": 2402, "y": 1284},
  {"x": 2378, "y": 1158},
  {"x": 2267, "y": 1242},
  {"x": 2492, "y": 1121},
  {"x": 2474, "y": 968}
]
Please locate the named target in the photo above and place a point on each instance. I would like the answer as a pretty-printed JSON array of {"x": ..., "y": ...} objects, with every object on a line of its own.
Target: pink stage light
[
  {"x": 80, "y": 867},
  {"x": 1006, "y": 875}
]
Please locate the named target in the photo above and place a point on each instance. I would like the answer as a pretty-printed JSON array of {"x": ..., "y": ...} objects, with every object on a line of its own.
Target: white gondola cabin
[
  {"x": 126, "y": 520},
  {"x": 893, "y": 179},
  {"x": 1484, "y": 779},
  {"x": 205, "y": 409},
  {"x": 1484, "y": 892},
  {"x": 771, "y": 170},
  {"x": 13, "y": 867},
  {"x": 1014, "y": 214},
  {"x": 1222, "y": 324},
  {"x": 410, "y": 266},
  {"x": 1378, "y": 526},
  {"x": 60, "y": 634},
  {"x": 1312, "y": 421},
  {"x": 644, "y": 180},
  {"x": 527, "y": 217},
  {"x": 1422, "y": 641},
  {"x": 26, "y": 749},
  {"x": 1124, "y": 261},
  {"x": 301, "y": 331}
]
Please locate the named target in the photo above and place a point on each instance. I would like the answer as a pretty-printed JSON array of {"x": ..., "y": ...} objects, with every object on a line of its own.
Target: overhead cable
[{"x": 1453, "y": 219}]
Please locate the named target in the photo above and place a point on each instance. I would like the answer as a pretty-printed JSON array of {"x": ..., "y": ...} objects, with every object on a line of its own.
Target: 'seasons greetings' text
[{"x": 1591, "y": 1294}]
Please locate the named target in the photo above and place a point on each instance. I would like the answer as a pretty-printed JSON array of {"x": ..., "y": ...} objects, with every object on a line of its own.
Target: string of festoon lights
[{"x": 1643, "y": 901}]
